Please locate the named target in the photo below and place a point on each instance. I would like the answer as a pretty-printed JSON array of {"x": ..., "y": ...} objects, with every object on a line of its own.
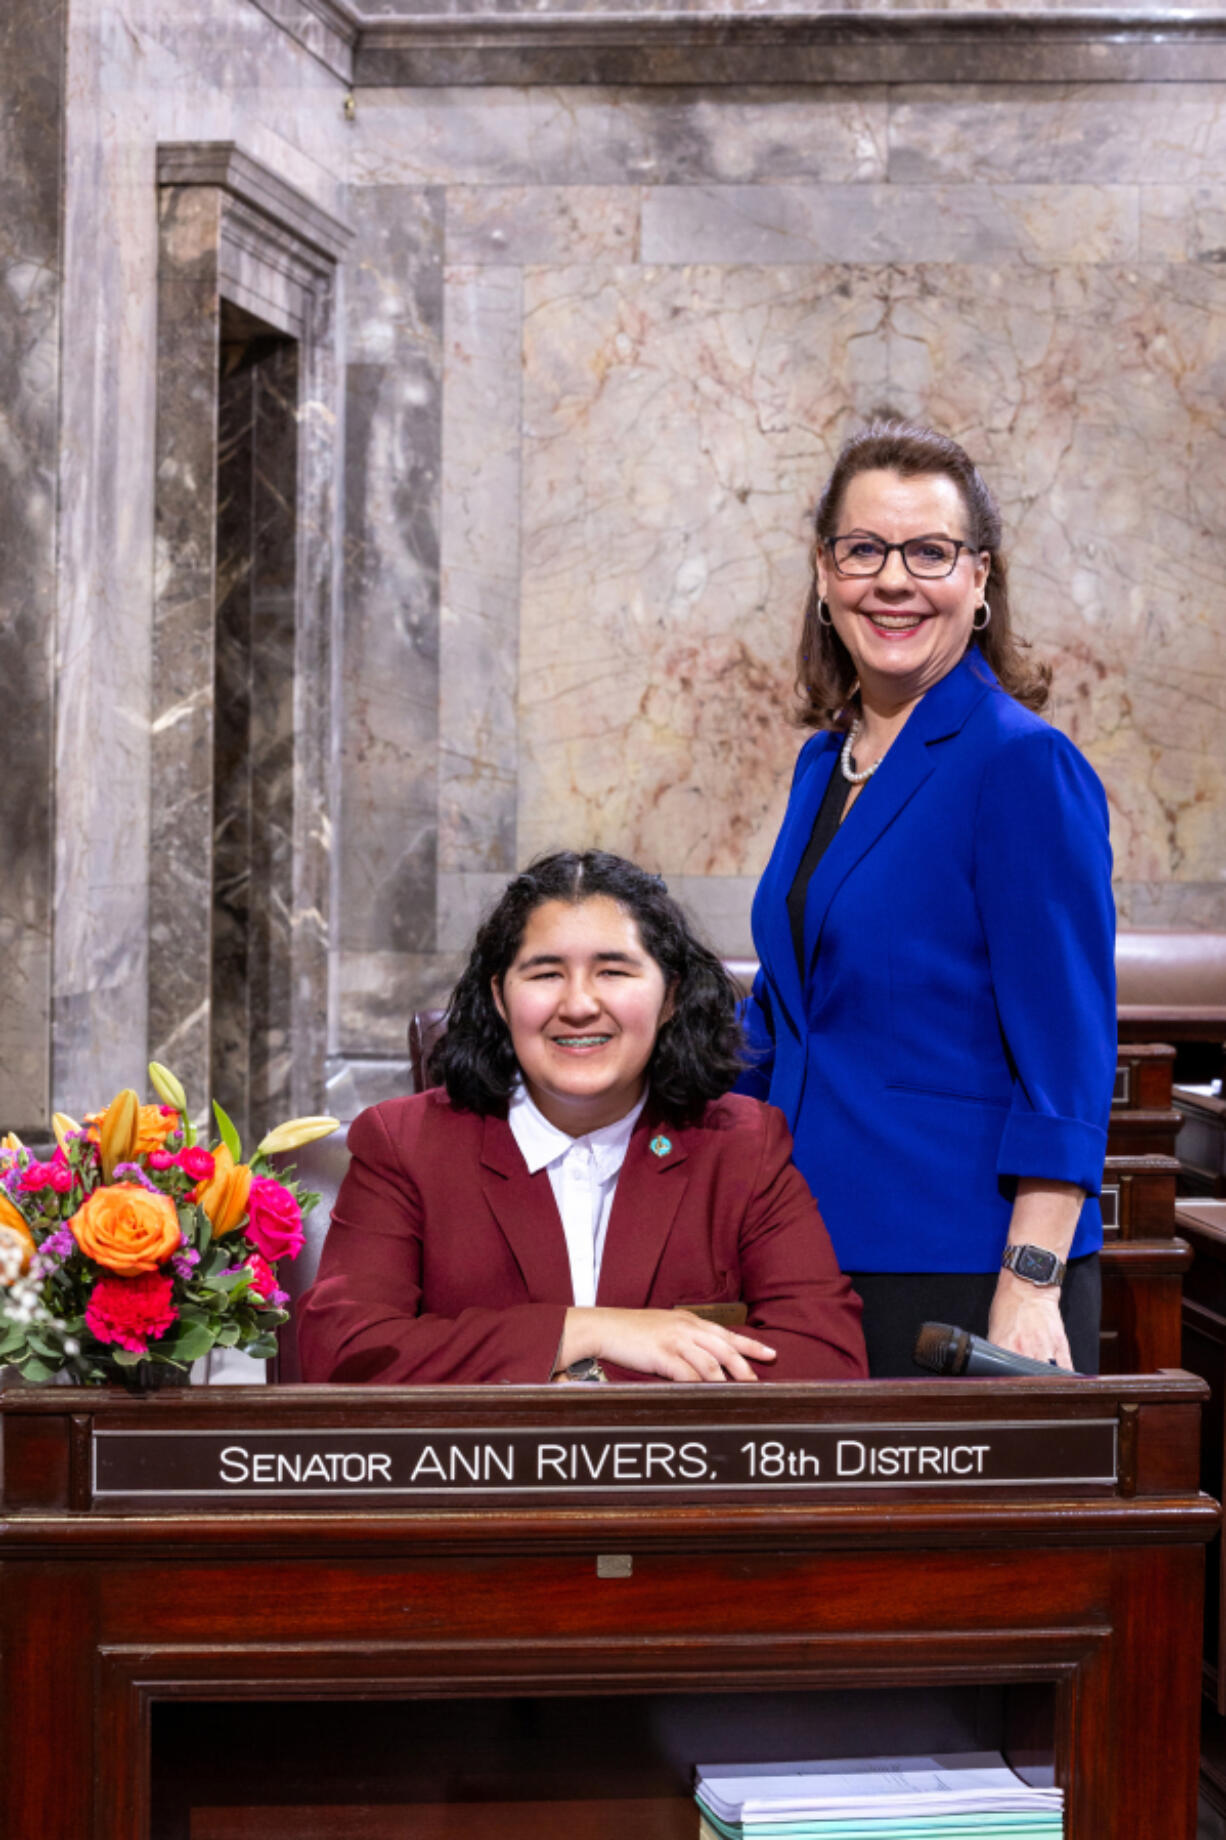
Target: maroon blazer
[{"x": 446, "y": 1261}]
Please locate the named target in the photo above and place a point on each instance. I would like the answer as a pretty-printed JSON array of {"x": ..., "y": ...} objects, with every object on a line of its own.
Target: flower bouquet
[{"x": 135, "y": 1249}]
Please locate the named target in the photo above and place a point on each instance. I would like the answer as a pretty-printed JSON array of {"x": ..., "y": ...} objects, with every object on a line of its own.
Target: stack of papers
[{"x": 973, "y": 1797}]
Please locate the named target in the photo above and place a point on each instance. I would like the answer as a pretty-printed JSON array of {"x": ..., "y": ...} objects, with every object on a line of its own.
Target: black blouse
[{"x": 826, "y": 823}]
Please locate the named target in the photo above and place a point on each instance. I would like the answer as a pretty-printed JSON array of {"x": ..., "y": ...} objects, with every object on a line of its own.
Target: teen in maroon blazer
[{"x": 447, "y": 1261}]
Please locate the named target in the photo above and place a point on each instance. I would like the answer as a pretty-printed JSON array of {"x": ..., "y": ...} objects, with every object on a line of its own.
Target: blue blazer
[{"x": 955, "y": 1027}]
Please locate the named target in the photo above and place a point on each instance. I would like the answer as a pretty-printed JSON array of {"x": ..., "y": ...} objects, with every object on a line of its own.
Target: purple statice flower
[
  {"x": 135, "y": 1173},
  {"x": 279, "y": 1299},
  {"x": 185, "y": 1262},
  {"x": 59, "y": 1245}
]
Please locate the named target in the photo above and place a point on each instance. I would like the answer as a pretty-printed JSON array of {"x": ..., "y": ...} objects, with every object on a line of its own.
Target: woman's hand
[
  {"x": 1027, "y": 1319},
  {"x": 675, "y": 1344}
]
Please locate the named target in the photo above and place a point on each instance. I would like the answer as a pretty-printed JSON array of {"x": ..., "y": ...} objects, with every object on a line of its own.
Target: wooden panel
[
  {"x": 1143, "y": 1077},
  {"x": 1132, "y": 1131},
  {"x": 1138, "y": 1196},
  {"x": 46, "y": 1726},
  {"x": 1168, "y": 1451},
  {"x": 36, "y": 1460},
  {"x": 1142, "y": 1296}
]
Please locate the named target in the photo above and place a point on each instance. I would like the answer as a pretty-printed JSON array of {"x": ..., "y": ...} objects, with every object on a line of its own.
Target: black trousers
[{"x": 897, "y": 1303}]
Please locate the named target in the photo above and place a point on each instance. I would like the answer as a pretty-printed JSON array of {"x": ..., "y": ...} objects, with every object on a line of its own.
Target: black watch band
[{"x": 1038, "y": 1265}]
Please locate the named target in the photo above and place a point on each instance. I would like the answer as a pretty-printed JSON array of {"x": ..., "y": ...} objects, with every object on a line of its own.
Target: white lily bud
[
  {"x": 294, "y": 1133},
  {"x": 63, "y": 1126},
  {"x": 168, "y": 1089}
]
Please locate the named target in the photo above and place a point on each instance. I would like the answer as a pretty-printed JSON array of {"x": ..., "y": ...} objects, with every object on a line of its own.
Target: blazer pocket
[{"x": 992, "y": 1100}]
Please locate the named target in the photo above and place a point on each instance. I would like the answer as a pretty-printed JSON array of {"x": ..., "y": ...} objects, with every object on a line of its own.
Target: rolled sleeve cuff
[{"x": 1053, "y": 1150}]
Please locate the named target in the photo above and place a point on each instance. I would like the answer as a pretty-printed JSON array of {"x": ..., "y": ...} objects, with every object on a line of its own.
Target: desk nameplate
[{"x": 399, "y": 1468}]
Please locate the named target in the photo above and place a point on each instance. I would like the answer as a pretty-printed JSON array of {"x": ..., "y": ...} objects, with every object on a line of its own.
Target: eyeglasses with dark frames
[{"x": 926, "y": 558}]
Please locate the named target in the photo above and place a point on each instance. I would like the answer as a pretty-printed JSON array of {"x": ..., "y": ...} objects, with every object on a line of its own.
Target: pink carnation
[
  {"x": 263, "y": 1277},
  {"x": 132, "y": 1312},
  {"x": 56, "y": 1174},
  {"x": 160, "y": 1159},
  {"x": 274, "y": 1224},
  {"x": 199, "y": 1164}
]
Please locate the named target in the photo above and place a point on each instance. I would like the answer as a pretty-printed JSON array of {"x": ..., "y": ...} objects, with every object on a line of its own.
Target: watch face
[{"x": 1037, "y": 1264}]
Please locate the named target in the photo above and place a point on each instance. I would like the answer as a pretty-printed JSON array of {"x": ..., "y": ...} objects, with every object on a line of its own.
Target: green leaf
[
  {"x": 229, "y": 1281},
  {"x": 12, "y": 1339},
  {"x": 228, "y": 1335},
  {"x": 263, "y": 1348},
  {"x": 36, "y": 1372},
  {"x": 229, "y": 1136},
  {"x": 126, "y": 1357},
  {"x": 42, "y": 1344},
  {"x": 193, "y": 1341}
]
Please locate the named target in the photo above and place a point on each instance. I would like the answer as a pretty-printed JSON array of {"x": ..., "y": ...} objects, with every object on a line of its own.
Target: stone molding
[
  {"x": 654, "y": 47},
  {"x": 328, "y": 29},
  {"x": 414, "y": 47},
  {"x": 271, "y": 198}
]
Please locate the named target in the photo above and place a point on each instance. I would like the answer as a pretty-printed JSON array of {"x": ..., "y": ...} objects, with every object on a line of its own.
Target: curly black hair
[{"x": 699, "y": 1051}]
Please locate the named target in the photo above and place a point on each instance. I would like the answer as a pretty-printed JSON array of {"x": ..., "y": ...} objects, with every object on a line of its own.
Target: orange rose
[
  {"x": 127, "y": 1229},
  {"x": 15, "y": 1232},
  {"x": 224, "y": 1196}
]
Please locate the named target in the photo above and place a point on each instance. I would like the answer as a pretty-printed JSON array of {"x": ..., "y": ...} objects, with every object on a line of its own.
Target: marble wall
[
  {"x": 598, "y": 345},
  {"x": 31, "y": 139},
  {"x": 661, "y": 310}
]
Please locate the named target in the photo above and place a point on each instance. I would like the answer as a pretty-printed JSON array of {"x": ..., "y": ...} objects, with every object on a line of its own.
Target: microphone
[{"x": 945, "y": 1350}]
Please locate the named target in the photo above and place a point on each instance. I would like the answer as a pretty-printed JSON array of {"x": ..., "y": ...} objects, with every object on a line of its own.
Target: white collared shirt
[{"x": 583, "y": 1173}]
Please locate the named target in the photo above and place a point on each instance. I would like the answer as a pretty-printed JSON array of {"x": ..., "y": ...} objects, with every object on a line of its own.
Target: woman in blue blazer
[{"x": 935, "y": 1009}]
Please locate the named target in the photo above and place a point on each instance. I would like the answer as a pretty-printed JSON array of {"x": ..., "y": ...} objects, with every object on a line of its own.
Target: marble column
[
  {"x": 181, "y": 826},
  {"x": 240, "y": 831},
  {"x": 253, "y": 727},
  {"x": 389, "y": 661},
  {"x": 31, "y": 136}
]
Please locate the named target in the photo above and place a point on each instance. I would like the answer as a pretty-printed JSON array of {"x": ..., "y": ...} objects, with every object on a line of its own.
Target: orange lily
[
  {"x": 224, "y": 1196},
  {"x": 117, "y": 1130}
]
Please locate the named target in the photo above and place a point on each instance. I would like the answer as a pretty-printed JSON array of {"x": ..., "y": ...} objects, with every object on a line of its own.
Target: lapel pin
[{"x": 660, "y": 1146}]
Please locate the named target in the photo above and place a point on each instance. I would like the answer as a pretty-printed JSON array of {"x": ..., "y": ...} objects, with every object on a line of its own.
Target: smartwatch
[{"x": 1037, "y": 1264}]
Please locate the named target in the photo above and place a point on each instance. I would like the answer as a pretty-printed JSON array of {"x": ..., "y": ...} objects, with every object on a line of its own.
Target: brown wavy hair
[{"x": 825, "y": 674}]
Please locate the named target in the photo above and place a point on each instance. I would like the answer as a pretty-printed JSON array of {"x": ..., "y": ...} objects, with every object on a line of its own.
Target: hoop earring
[
  {"x": 986, "y": 611},
  {"x": 823, "y": 618}
]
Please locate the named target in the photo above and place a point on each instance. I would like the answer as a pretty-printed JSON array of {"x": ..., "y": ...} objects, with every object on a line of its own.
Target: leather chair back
[
  {"x": 321, "y": 1168},
  {"x": 424, "y": 1030},
  {"x": 1165, "y": 971}
]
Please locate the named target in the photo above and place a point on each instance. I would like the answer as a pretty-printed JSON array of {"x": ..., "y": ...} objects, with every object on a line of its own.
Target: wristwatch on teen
[
  {"x": 587, "y": 1372},
  {"x": 1038, "y": 1265}
]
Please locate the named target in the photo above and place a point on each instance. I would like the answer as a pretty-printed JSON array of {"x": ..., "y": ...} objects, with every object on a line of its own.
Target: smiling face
[
  {"x": 903, "y": 635},
  {"x": 584, "y": 1002}
]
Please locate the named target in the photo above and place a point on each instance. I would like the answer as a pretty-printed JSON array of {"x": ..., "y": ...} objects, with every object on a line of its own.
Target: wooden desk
[{"x": 600, "y": 1642}]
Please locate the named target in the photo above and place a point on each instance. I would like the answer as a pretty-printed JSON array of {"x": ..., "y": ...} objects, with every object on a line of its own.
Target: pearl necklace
[{"x": 856, "y": 779}]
